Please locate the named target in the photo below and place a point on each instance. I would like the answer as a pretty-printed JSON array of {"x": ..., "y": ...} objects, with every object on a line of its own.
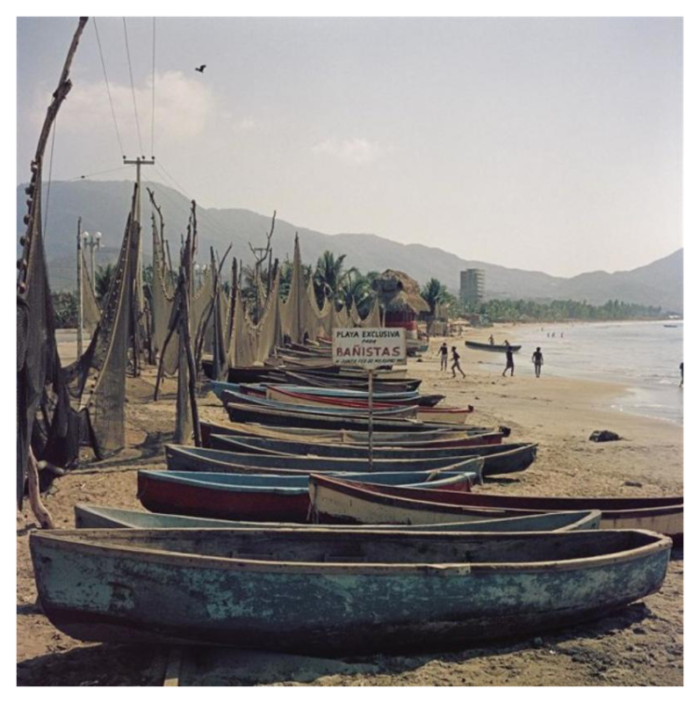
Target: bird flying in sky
[{"x": 201, "y": 68}]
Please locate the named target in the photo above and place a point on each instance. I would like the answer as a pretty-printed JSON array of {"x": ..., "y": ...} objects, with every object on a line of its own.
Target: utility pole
[{"x": 139, "y": 161}]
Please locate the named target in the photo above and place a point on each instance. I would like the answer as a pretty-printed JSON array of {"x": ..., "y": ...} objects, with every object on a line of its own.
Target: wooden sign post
[{"x": 369, "y": 348}]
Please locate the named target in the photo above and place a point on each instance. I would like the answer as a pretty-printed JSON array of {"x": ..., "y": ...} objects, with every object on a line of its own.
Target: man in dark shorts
[
  {"x": 538, "y": 360},
  {"x": 444, "y": 351},
  {"x": 510, "y": 364},
  {"x": 455, "y": 364}
]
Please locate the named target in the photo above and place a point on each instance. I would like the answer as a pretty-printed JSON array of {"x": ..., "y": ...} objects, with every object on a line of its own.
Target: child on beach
[
  {"x": 443, "y": 356},
  {"x": 510, "y": 364},
  {"x": 538, "y": 360},
  {"x": 455, "y": 364}
]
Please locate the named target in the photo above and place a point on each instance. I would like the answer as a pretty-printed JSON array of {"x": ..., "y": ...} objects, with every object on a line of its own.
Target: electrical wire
[
  {"x": 86, "y": 176},
  {"x": 133, "y": 90},
  {"x": 153, "y": 91},
  {"x": 109, "y": 92}
]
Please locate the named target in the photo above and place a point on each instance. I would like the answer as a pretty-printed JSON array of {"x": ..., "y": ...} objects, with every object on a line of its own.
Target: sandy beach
[{"x": 640, "y": 645}]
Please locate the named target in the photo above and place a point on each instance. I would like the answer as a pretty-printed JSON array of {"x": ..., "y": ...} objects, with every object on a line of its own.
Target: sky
[{"x": 543, "y": 144}]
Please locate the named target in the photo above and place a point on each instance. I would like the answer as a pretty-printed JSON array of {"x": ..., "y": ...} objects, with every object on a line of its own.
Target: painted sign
[{"x": 369, "y": 347}]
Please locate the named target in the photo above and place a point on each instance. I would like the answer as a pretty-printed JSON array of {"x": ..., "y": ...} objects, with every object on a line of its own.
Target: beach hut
[{"x": 401, "y": 301}]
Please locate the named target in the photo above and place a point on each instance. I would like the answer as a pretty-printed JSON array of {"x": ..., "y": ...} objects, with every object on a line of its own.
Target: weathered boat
[
  {"x": 415, "y": 440},
  {"x": 261, "y": 497},
  {"x": 379, "y": 591},
  {"x": 246, "y": 412},
  {"x": 92, "y": 516},
  {"x": 226, "y": 461},
  {"x": 660, "y": 514},
  {"x": 389, "y": 412},
  {"x": 480, "y": 346},
  {"x": 322, "y": 380},
  {"x": 299, "y": 395},
  {"x": 498, "y": 458},
  {"x": 429, "y": 413}
]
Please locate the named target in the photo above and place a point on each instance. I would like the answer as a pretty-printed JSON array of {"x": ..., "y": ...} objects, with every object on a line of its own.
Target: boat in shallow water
[{"x": 480, "y": 346}]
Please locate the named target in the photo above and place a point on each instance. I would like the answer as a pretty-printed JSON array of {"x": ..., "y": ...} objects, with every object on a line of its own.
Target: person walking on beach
[
  {"x": 538, "y": 360},
  {"x": 681, "y": 367},
  {"x": 491, "y": 340},
  {"x": 455, "y": 364},
  {"x": 443, "y": 356},
  {"x": 510, "y": 364}
]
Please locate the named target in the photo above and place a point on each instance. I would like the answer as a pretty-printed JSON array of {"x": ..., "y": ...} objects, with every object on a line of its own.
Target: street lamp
[{"x": 92, "y": 242}]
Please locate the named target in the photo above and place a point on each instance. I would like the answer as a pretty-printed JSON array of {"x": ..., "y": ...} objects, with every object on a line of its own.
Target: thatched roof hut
[{"x": 399, "y": 296}]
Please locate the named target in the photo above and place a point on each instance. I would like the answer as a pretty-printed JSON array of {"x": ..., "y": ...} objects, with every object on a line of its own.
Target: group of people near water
[{"x": 444, "y": 352}]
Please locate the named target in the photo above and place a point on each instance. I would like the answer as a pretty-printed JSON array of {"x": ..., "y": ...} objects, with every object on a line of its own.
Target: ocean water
[{"x": 645, "y": 356}]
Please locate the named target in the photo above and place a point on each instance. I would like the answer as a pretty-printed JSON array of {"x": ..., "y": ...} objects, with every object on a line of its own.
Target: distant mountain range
[{"x": 103, "y": 206}]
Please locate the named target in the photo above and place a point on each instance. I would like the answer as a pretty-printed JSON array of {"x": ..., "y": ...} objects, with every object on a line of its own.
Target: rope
[
  {"x": 109, "y": 93},
  {"x": 48, "y": 189}
]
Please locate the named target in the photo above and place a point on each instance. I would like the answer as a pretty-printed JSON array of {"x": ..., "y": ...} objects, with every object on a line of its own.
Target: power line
[
  {"x": 88, "y": 176},
  {"x": 133, "y": 90},
  {"x": 214, "y": 224},
  {"x": 109, "y": 92},
  {"x": 153, "y": 90}
]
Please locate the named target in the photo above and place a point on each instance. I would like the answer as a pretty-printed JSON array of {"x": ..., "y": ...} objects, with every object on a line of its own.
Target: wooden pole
[
  {"x": 80, "y": 290},
  {"x": 370, "y": 427},
  {"x": 40, "y": 512}
]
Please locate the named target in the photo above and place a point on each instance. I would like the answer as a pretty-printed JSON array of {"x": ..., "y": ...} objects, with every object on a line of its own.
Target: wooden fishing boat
[
  {"x": 314, "y": 380},
  {"x": 400, "y": 412},
  {"x": 480, "y": 346},
  {"x": 248, "y": 412},
  {"x": 92, "y": 516},
  {"x": 379, "y": 591},
  {"x": 463, "y": 436},
  {"x": 415, "y": 440},
  {"x": 298, "y": 395},
  {"x": 309, "y": 402},
  {"x": 260, "y": 497},
  {"x": 498, "y": 458},
  {"x": 226, "y": 461},
  {"x": 660, "y": 514},
  {"x": 263, "y": 390}
]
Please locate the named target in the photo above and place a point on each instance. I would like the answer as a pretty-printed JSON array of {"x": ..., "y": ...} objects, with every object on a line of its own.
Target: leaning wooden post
[{"x": 192, "y": 367}]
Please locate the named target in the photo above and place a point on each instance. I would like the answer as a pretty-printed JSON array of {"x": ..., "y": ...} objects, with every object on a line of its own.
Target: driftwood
[{"x": 40, "y": 512}]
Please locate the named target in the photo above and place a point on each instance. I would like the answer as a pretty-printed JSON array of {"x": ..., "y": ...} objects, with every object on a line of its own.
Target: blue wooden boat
[
  {"x": 92, "y": 516},
  {"x": 336, "y": 591},
  {"x": 498, "y": 458},
  {"x": 181, "y": 458}
]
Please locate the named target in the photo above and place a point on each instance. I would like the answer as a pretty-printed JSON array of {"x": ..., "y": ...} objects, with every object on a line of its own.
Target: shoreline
[{"x": 625, "y": 388}]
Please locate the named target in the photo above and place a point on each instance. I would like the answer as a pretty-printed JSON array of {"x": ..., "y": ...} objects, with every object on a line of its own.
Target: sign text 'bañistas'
[{"x": 369, "y": 347}]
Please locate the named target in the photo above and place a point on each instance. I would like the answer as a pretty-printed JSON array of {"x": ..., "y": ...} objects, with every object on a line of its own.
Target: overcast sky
[{"x": 546, "y": 144}]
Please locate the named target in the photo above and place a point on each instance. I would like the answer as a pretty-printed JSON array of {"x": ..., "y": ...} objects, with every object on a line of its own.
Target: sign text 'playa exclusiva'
[{"x": 372, "y": 346}]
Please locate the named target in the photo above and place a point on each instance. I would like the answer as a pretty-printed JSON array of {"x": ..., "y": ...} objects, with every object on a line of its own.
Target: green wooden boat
[
  {"x": 336, "y": 591},
  {"x": 91, "y": 516}
]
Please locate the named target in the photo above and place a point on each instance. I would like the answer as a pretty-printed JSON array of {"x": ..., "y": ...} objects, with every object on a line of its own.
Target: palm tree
[
  {"x": 433, "y": 293},
  {"x": 103, "y": 280},
  {"x": 330, "y": 275},
  {"x": 357, "y": 288}
]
